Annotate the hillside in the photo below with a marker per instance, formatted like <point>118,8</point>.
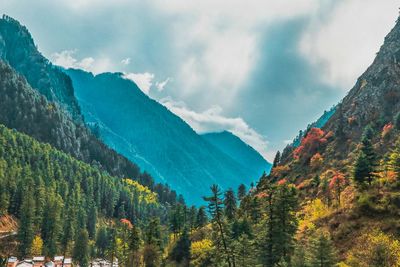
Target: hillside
<point>148,133</point>
<point>26,109</point>
<point>18,49</point>
<point>241,152</point>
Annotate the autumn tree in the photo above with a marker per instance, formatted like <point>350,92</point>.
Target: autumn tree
<point>310,144</point>
<point>37,246</point>
<point>337,184</point>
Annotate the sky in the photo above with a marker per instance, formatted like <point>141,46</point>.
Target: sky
<point>261,69</point>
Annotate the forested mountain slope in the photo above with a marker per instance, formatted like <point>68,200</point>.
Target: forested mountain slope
<point>24,109</point>
<point>18,49</point>
<point>148,133</point>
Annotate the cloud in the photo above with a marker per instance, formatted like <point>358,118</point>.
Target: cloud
<point>160,85</point>
<point>126,61</point>
<point>345,41</point>
<point>212,120</point>
<point>143,80</point>
<point>67,59</point>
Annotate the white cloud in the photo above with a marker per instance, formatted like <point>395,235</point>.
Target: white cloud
<point>126,61</point>
<point>212,120</point>
<point>345,41</point>
<point>143,80</point>
<point>161,85</point>
<point>66,59</point>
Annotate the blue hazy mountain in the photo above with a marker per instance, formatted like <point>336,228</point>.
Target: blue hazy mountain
<point>150,135</point>
<point>239,151</point>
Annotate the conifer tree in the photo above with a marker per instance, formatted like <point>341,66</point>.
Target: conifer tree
<point>365,164</point>
<point>81,249</point>
<point>321,251</point>
<point>277,159</point>
<point>230,204</point>
<point>201,218</point>
<point>181,251</point>
<point>215,208</point>
<point>241,191</point>
<point>26,229</point>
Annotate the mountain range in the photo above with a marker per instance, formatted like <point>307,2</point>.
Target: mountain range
<point>157,140</point>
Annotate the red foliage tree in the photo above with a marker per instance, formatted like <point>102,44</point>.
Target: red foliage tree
<point>310,144</point>
<point>337,184</point>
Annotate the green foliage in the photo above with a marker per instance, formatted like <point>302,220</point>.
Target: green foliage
<point>321,251</point>
<point>366,162</point>
<point>81,249</point>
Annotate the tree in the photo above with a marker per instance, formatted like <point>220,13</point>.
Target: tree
<point>26,232</point>
<point>151,255</point>
<point>280,224</point>
<point>321,251</point>
<point>215,208</point>
<point>277,159</point>
<point>181,251</point>
<point>134,245</point>
<point>201,218</point>
<point>51,226</point>
<point>81,249</point>
<point>337,184</point>
<point>230,204</point>
<point>241,191</point>
<point>364,168</point>
<point>37,246</point>
<point>102,242</point>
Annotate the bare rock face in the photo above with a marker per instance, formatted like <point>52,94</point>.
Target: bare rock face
<point>375,98</point>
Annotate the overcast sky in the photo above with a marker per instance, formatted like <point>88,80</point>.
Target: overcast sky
<point>261,69</point>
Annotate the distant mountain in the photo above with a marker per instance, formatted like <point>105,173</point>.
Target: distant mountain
<point>241,152</point>
<point>148,133</point>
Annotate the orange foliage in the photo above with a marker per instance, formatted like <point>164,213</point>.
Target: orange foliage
<point>387,129</point>
<point>281,182</point>
<point>310,144</point>
<point>337,184</point>
<point>126,222</point>
<point>280,170</point>
<point>262,195</point>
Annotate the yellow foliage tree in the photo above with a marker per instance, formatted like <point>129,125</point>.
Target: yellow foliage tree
<point>37,246</point>
<point>375,249</point>
<point>200,251</point>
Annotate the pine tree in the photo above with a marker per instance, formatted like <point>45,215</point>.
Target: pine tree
<point>51,226</point>
<point>102,242</point>
<point>365,165</point>
<point>230,204</point>
<point>181,251</point>
<point>277,159</point>
<point>92,220</point>
<point>81,249</point>
<point>215,208</point>
<point>134,245</point>
<point>280,224</point>
<point>241,191</point>
<point>201,218</point>
<point>27,213</point>
<point>321,252</point>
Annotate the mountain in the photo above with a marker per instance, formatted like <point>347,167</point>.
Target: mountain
<point>48,118</point>
<point>18,49</point>
<point>239,151</point>
<point>148,133</point>
<point>347,171</point>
